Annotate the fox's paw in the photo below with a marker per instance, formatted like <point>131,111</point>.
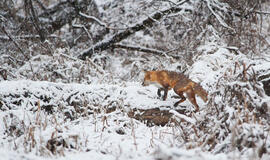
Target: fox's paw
<point>197,110</point>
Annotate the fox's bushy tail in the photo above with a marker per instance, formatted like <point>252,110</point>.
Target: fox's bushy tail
<point>200,92</point>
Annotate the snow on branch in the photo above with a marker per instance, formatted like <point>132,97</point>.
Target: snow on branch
<point>212,4</point>
<point>93,18</point>
<point>6,38</point>
<point>148,22</point>
<point>262,12</point>
<point>183,117</point>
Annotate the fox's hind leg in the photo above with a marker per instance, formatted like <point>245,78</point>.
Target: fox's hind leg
<point>183,98</point>
<point>191,97</point>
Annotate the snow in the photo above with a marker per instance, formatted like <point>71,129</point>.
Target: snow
<point>65,108</point>
<point>181,116</point>
<point>88,130</point>
<point>134,94</point>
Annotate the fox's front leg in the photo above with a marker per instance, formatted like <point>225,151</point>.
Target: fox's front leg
<point>164,97</point>
<point>159,92</point>
<point>165,93</point>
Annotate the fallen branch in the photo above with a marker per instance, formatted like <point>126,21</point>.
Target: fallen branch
<point>140,49</point>
<point>157,116</point>
<point>148,22</point>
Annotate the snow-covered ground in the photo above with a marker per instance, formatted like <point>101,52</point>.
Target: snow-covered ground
<point>46,120</point>
<point>99,135</point>
<point>115,137</point>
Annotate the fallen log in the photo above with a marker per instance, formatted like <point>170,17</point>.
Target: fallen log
<point>155,116</point>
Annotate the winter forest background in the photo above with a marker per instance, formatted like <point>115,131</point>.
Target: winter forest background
<point>71,74</point>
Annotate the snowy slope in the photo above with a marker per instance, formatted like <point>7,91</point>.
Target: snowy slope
<point>99,135</point>
<point>99,139</point>
<point>76,121</point>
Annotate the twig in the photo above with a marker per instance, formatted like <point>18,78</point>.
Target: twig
<point>41,5</point>
<point>171,2</point>
<point>93,18</point>
<point>221,21</point>
<point>103,24</point>
<point>84,28</point>
<point>262,12</point>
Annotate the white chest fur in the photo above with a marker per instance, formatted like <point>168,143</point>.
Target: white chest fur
<point>157,85</point>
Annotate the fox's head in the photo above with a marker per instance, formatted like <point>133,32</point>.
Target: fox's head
<point>201,92</point>
<point>148,78</point>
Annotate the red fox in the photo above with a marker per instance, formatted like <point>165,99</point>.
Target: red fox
<point>166,80</point>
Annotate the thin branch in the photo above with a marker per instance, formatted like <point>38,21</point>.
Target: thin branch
<point>84,28</point>
<point>15,42</point>
<point>261,12</point>
<point>93,18</point>
<point>41,5</point>
<point>146,50</point>
<point>140,49</point>
<point>17,45</point>
<point>36,22</point>
<point>6,38</point>
<point>103,24</point>
<point>171,2</point>
<point>218,17</point>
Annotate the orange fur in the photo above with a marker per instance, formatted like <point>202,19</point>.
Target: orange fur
<point>167,80</point>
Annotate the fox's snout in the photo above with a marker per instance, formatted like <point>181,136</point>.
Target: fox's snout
<point>143,83</point>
